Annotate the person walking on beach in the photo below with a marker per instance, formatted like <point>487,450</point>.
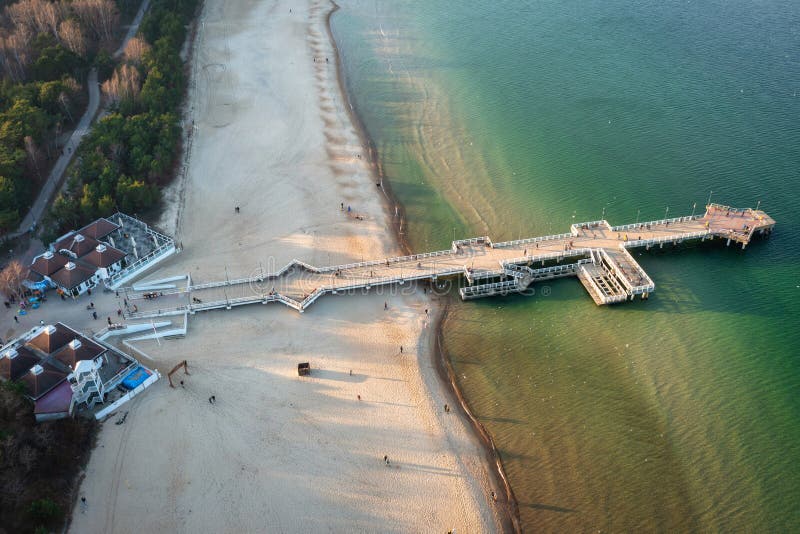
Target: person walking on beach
<point>84,505</point>
<point>94,315</point>
<point>401,349</point>
<point>16,320</point>
<point>385,305</point>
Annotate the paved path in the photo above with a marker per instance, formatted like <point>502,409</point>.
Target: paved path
<point>57,172</point>
<point>50,187</point>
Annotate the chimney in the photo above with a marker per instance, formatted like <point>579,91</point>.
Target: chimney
<point>37,369</point>
<point>75,344</point>
<point>69,266</point>
<point>50,329</point>
<point>79,238</point>
<point>48,255</point>
<point>100,248</point>
<point>10,354</point>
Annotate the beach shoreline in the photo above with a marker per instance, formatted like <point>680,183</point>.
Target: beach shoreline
<point>435,350</point>
<point>273,440</point>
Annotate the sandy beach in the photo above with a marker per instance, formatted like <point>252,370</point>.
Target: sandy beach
<point>278,452</point>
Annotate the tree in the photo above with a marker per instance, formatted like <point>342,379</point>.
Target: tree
<point>11,279</point>
<point>72,36</point>
<point>98,16</point>
<point>54,62</point>
<point>33,154</point>
<point>125,84</point>
<point>136,49</point>
<point>9,213</point>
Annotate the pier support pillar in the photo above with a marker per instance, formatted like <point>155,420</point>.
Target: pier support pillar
<point>661,245</point>
<point>728,243</point>
<point>744,245</point>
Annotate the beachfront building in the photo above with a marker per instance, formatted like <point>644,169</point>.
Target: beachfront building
<point>61,370</point>
<point>106,250</point>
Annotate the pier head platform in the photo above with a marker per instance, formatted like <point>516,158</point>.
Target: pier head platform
<point>595,252</point>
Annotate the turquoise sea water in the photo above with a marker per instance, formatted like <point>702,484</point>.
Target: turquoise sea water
<point>514,118</point>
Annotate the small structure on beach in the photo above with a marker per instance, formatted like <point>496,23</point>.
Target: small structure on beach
<point>304,369</point>
<point>61,370</point>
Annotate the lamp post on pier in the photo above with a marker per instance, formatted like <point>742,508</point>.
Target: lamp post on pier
<point>693,208</point>
<point>638,211</point>
<point>709,198</point>
<point>758,205</point>
<point>666,212</point>
<point>603,216</point>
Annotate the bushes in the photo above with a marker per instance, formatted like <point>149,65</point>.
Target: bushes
<point>44,511</point>
<point>38,464</point>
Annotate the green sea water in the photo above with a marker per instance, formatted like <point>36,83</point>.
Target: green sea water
<point>516,118</point>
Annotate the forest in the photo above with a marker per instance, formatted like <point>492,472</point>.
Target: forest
<point>46,50</point>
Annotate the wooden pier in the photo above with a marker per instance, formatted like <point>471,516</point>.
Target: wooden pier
<point>595,252</point>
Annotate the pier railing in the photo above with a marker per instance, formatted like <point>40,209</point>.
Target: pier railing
<point>646,224</point>
<point>522,242</point>
<point>674,238</point>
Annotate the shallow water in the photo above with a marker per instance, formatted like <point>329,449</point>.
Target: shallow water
<point>515,119</point>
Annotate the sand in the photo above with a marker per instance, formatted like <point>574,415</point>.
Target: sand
<point>278,452</point>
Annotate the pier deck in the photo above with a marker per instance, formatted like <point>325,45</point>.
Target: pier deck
<point>595,252</point>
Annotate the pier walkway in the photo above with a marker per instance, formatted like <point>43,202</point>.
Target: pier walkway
<point>595,252</point>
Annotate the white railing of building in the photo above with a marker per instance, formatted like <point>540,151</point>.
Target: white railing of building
<point>139,264</point>
<point>128,396</point>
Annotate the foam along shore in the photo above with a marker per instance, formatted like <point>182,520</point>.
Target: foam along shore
<point>279,452</point>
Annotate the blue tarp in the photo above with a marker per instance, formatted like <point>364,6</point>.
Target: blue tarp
<point>136,377</point>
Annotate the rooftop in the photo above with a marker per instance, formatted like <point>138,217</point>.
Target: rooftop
<point>76,243</point>
<point>40,379</point>
<point>51,338</point>
<point>103,256</point>
<point>72,275</point>
<point>57,400</point>
<point>80,348</point>
<point>48,263</point>
<point>98,229</point>
<point>15,362</point>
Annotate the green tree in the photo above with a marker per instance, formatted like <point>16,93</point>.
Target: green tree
<point>9,213</point>
<point>56,62</point>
